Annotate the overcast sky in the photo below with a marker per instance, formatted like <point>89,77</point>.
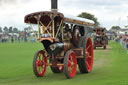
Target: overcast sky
<point>108,12</point>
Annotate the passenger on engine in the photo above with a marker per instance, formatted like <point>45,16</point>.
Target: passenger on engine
<point>67,33</point>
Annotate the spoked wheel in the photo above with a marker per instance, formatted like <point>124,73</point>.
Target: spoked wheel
<point>57,69</point>
<point>86,63</point>
<point>39,63</point>
<point>70,64</point>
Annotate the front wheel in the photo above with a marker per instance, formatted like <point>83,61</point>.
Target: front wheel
<point>70,64</point>
<point>39,63</point>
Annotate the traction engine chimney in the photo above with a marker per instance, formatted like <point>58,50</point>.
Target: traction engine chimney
<point>54,5</point>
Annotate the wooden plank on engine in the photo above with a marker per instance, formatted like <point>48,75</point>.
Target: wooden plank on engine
<point>78,52</point>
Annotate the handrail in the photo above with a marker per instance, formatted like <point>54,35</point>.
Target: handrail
<point>59,28</point>
<point>32,29</point>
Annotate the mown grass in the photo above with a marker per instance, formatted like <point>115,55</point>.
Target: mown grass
<point>110,67</point>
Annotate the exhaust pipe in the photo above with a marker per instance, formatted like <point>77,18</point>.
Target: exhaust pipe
<point>54,5</point>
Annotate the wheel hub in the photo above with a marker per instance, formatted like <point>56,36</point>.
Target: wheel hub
<point>40,63</point>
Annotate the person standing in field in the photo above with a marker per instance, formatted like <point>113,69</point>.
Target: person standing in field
<point>127,43</point>
<point>15,38</point>
<point>25,38</point>
<point>18,38</point>
<point>22,38</point>
<point>12,40</point>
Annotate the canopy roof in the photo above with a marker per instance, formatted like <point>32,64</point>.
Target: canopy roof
<point>46,16</point>
<point>78,20</point>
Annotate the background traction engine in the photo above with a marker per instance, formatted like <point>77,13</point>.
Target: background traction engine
<point>100,38</point>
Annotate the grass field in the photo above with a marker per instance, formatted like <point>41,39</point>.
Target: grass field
<point>110,67</point>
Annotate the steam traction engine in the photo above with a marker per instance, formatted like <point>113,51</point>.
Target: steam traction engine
<point>64,41</point>
<point>100,39</point>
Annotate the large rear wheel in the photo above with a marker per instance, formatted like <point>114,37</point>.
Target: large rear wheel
<point>39,63</point>
<point>86,63</point>
<point>70,64</point>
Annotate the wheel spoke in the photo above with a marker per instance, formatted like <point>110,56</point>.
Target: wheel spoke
<point>43,60</point>
<point>42,69</point>
<point>39,69</point>
<point>69,63</point>
<point>86,53</point>
<point>39,56</point>
<point>69,69</point>
<point>72,66</point>
<point>87,64</point>
<point>88,47</point>
<point>89,57</point>
<point>37,61</point>
<point>71,58</point>
<point>43,57</point>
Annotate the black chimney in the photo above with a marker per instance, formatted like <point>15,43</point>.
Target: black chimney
<point>54,5</point>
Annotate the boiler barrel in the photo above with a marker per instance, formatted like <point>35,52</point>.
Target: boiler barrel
<point>58,47</point>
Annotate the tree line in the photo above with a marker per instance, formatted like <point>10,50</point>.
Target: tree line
<point>93,18</point>
<point>13,29</point>
<point>9,29</point>
<point>89,16</point>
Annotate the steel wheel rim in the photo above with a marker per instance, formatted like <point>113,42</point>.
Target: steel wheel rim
<point>89,55</point>
<point>71,64</point>
<point>41,61</point>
